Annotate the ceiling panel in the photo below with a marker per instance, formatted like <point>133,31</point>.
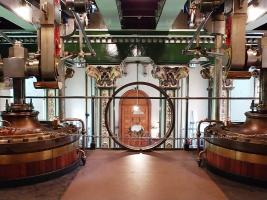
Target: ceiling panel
<point>139,14</point>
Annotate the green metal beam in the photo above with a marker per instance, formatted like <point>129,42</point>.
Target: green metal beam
<point>169,13</point>
<point>12,17</point>
<point>115,53</point>
<point>109,11</point>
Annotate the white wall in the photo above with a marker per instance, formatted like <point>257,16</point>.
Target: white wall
<point>75,87</point>
<point>198,109</point>
<point>242,88</point>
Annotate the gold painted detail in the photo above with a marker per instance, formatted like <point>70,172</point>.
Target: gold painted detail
<point>37,156</point>
<point>105,76</point>
<point>169,76</point>
<point>237,155</point>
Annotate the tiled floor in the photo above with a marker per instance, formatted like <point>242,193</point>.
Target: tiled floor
<point>122,175</point>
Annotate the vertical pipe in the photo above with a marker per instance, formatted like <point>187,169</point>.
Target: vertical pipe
<point>61,101</point>
<point>61,91</point>
<point>86,107</point>
<point>227,106</point>
<point>186,143</point>
<point>46,101</point>
<point>177,116</point>
<point>263,96</point>
<point>181,113</point>
<point>19,90</point>
<point>217,80</point>
<point>114,116</point>
<point>209,100</point>
<point>263,77</point>
<point>174,130</point>
<point>92,146</point>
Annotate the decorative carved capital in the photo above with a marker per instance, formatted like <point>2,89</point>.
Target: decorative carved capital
<point>105,76</point>
<point>169,76</point>
<point>207,72</point>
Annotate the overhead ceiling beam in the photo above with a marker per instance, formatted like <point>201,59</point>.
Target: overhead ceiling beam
<point>257,23</point>
<point>257,15</point>
<point>109,11</point>
<point>169,13</point>
<point>15,19</point>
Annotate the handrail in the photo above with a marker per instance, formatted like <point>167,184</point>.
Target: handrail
<point>83,127</point>
<point>105,97</point>
<point>198,129</point>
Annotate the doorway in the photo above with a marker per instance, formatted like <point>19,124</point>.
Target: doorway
<point>135,119</point>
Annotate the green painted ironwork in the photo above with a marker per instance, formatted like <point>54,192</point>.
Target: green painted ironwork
<point>109,11</point>
<point>169,13</point>
<point>162,47</point>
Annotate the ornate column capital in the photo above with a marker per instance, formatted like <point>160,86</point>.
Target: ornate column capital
<point>105,76</point>
<point>169,76</point>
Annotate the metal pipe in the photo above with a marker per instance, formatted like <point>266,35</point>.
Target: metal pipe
<point>83,128</point>
<point>217,80</point>
<point>61,106</point>
<point>199,28</point>
<point>263,90</point>
<point>186,144</point>
<point>198,129</point>
<point>19,90</point>
<point>209,100</point>
<point>200,158</point>
<point>93,145</point>
<point>86,105</point>
<point>77,19</point>
<point>82,155</point>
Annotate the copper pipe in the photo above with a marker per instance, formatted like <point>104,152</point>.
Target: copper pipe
<point>198,130</point>
<point>239,75</point>
<point>200,158</point>
<point>83,128</point>
<point>82,155</point>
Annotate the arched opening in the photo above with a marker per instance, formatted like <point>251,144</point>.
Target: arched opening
<point>135,119</point>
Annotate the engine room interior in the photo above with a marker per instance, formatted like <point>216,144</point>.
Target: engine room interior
<point>126,99</point>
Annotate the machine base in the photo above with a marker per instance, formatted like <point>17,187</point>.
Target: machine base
<point>40,178</point>
<point>234,177</point>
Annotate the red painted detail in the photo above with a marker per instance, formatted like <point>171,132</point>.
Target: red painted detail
<point>57,41</point>
<point>228,30</point>
<point>57,2</point>
<point>57,33</point>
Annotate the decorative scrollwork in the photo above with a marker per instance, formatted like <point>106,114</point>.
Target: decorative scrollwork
<point>207,72</point>
<point>105,76</point>
<point>169,76</point>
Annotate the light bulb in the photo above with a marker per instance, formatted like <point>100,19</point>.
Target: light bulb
<point>136,108</point>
